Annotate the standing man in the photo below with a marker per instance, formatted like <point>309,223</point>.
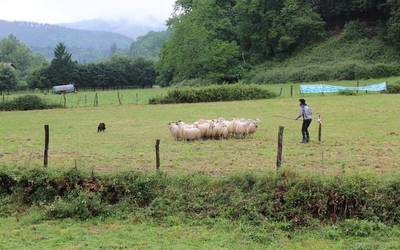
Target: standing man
<point>306,114</point>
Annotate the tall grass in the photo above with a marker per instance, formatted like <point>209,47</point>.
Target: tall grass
<point>336,58</point>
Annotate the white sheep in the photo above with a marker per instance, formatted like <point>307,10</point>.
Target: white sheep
<point>219,128</point>
<point>190,134</point>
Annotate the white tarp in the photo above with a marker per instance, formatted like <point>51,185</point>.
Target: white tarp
<point>325,88</point>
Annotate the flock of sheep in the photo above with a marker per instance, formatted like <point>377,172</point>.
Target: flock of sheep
<point>213,129</point>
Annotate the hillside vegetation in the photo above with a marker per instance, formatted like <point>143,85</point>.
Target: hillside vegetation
<point>226,41</point>
<point>336,58</point>
<point>149,45</point>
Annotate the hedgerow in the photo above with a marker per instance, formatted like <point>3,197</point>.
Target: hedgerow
<point>286,196</point>
<point>27,102</point>
<point>216,93</point>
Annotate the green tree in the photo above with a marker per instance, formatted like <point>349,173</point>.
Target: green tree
<point>8,79</point>
<point>202,45</point>
<point>149,46</point>
<point>39,78</point>
<point>393,24</point>
<point>62,69</point>
<point>13,51</point>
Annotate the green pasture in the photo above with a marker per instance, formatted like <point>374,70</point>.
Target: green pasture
<point>86,98</point>
<point>31,232</point>
<point>360,133</point>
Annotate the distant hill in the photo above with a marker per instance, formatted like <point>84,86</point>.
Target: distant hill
<point>149,45</point>
<point>128,28</point>
<point>84,44</point>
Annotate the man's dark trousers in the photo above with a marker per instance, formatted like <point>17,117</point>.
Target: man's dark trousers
<point>304,130</point>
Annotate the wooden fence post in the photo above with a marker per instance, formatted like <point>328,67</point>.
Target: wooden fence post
<point>280,93</point>
<point>46,145</point>
<point>119,98</point>
<point>291,90</point>
<point>280,148</point>
<point>158,154</point>
<point>319,129</point>
<point>96,100</point>
<point>65,100</point>
<point>358,85</point>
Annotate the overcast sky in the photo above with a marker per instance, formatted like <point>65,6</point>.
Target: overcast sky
<point>61,11</point>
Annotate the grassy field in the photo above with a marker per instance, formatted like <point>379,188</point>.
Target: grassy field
<point>360,133</point>
<point>30,232</point>
<point>141,96</point>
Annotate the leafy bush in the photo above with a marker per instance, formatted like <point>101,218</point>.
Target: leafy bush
<point>393,89</point>
<point>286,197</point>
<point>347,92</point>
<point>79,204</point>
<point>354,30</point>
<point>214,94</point>
<point>27,102</point>
<point>362,228</point>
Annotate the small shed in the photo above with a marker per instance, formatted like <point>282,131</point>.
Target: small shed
<point>63,89</point>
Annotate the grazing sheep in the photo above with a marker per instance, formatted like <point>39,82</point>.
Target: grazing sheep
<point>175,130</point>
<point>191,134</point>
<point>204,127</point>
<point>101,127</point>
<point>251,128</point>
<point>213,129</point>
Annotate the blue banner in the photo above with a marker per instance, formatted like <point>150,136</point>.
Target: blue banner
<point>324,88</point>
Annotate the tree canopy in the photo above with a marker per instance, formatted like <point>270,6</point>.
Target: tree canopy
<point>13,51</point>
<point>217,39</point>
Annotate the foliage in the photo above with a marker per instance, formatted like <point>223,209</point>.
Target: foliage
<point>272,31</point>
<point>347,92</point>
<point>78,204</point>
<point>354,30</point>
<point>196,50</point>
<point>334,59</point>
<point>14,51</point>
<point>149,45</point>
<point>8,79</point>
<point>393,89</point>
<point>118,72</point>
<point>282,197</point>
<point>393,24</point>
<point>62,69</point>
<point>213,94</point>
<point>28,102</point>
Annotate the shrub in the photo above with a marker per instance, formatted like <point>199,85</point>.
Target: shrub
<point>347,92</point>
<point>393,89</point>
<point>27,102</point>
<point>216,93</point>
<point>362,228</point>
<point>79,204</point>
<point>354,30</point>
<point>285,197</point>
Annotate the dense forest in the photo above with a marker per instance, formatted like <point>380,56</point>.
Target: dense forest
<point>222,40</point>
